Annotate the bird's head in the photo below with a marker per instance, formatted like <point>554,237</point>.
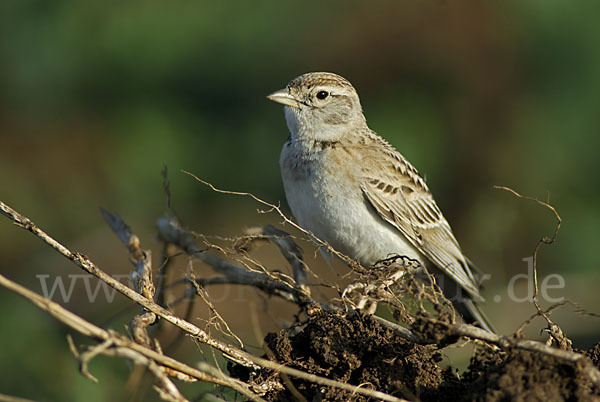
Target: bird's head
<point>320,106</point>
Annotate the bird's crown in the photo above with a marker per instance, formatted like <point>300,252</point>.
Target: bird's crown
<point>310,80</point>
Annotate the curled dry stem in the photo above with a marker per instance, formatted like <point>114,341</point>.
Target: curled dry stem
<point>553,329</point>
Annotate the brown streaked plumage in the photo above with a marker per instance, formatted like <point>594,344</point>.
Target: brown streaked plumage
<point>354,190</point>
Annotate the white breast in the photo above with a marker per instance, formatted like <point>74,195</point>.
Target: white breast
<point>326,199</point>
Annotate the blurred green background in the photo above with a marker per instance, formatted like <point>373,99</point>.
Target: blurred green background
<point>96,96</point>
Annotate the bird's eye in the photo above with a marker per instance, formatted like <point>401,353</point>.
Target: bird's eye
<point>322,95</point>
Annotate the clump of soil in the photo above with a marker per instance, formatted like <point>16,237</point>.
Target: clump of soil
<point>520,375</point>
<point>355,349</point>
<point>594,354</point>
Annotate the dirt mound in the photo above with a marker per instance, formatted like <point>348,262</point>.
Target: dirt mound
<point>594,354</point>
<point>520,375</point>
<point>355,349</point>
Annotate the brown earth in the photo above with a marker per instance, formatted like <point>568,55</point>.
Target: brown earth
<point>355,349</point>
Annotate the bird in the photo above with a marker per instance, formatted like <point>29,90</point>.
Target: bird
<point>351,188</point>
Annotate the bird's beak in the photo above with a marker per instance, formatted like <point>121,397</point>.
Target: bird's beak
<point>284,97</point>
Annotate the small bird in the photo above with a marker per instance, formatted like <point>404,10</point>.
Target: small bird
<point>352,189</point>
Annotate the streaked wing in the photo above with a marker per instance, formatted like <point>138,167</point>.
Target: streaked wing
<point>401,197</point>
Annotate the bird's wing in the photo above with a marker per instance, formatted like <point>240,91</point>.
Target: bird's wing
<point>400,196</point>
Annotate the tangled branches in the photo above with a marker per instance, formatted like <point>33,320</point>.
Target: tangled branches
<point>331,350</point>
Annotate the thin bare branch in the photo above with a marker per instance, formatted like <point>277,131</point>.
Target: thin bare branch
<point>141,259</point>
<point>554,330</point>
<point>10,398</point>
<point>272,207</point>
<point>472,332</point>
<point>163,367</point>
<point>88,329</point>
<point>325,381</point>
<point>291,252</point>
<point>171,231</point>
<point>87,265</point>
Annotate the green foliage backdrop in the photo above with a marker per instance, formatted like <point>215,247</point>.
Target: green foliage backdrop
<point>96,96</point>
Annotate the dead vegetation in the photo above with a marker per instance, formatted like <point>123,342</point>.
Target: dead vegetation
<point>332,350</point>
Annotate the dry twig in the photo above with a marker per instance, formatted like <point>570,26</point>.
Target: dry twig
<point>147,353</point>
<point>553,329</point>
<point>116,340</point>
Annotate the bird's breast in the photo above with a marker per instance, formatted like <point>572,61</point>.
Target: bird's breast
<point>323,191</point>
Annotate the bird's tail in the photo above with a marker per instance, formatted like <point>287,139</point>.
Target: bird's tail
<point>473,314</point>
<point>463,302</point>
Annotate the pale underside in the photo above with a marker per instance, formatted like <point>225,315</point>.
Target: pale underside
<point>370,203</point>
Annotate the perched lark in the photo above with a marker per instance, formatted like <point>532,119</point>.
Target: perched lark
<point>352,189</point>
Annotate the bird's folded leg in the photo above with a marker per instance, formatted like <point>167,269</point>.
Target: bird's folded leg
<point>370,293</point>
<point>363,288</point>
